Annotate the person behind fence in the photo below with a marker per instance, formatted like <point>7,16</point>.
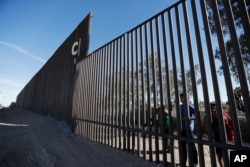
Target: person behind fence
<point>191,120</point>
<point>216,130</point>
<point>164,118</point>
<point>164,122</point>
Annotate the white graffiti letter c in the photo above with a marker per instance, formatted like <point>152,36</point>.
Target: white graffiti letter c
<point>74,50</point>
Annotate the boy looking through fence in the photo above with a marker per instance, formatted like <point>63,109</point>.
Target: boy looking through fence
<point>190,126</point>
<point>164,123</point>
<point>216,130</point>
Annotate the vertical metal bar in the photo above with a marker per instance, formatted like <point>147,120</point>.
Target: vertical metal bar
<point>87,102</point>
<point>114,111</point>
<point>90,63</point>
<point>111,85</point>
<point>132,92</point>
<point>95,100</point>
<point>148,95</point>
<point>88,69</point>
<point>110,96</point>
<point>177,102</point>
<point>84,103</point>
<point>85,106</point>
<point>142,91</point>
<point>80,99</point>
<point>76,96</point>
<point>106,96</point>
<point>124,91</point>
<point>92,102</point>
<point>154,91</point>
<point>98,95</point>
<point>160,85</point>
<point>113,97</point>
<point>128,93</point>
<point>108,93</point>
<point>183,73</point>
<point>137,93</point>
<point>101,80</point>
<point>116,92</point>
<point>120,93</point>
<point>84,112</point>
<point>102,94</point>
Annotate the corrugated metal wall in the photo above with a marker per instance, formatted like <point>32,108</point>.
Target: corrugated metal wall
<point>50,91</point>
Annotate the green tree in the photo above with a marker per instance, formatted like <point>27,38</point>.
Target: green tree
<point>171,78</point>
<point>238,99</point>
<point>226,32</point>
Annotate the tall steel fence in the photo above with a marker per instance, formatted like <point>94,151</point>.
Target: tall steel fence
<point>198,48</point>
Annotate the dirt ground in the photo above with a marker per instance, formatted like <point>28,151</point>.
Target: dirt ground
<point>31,140</point>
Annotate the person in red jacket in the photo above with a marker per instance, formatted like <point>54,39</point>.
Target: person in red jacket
<point>229,126</point>
<point>229,130</point>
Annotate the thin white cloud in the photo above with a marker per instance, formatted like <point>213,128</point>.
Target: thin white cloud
<point>23,51</point>
<point>11,82</point>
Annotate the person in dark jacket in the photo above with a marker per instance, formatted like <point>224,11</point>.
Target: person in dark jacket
<point>216,130</point>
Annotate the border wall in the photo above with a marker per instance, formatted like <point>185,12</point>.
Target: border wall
<point>119,86</point>
<point>50,91</point>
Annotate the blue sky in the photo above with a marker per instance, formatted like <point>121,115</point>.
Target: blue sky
<point>32,30</point>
